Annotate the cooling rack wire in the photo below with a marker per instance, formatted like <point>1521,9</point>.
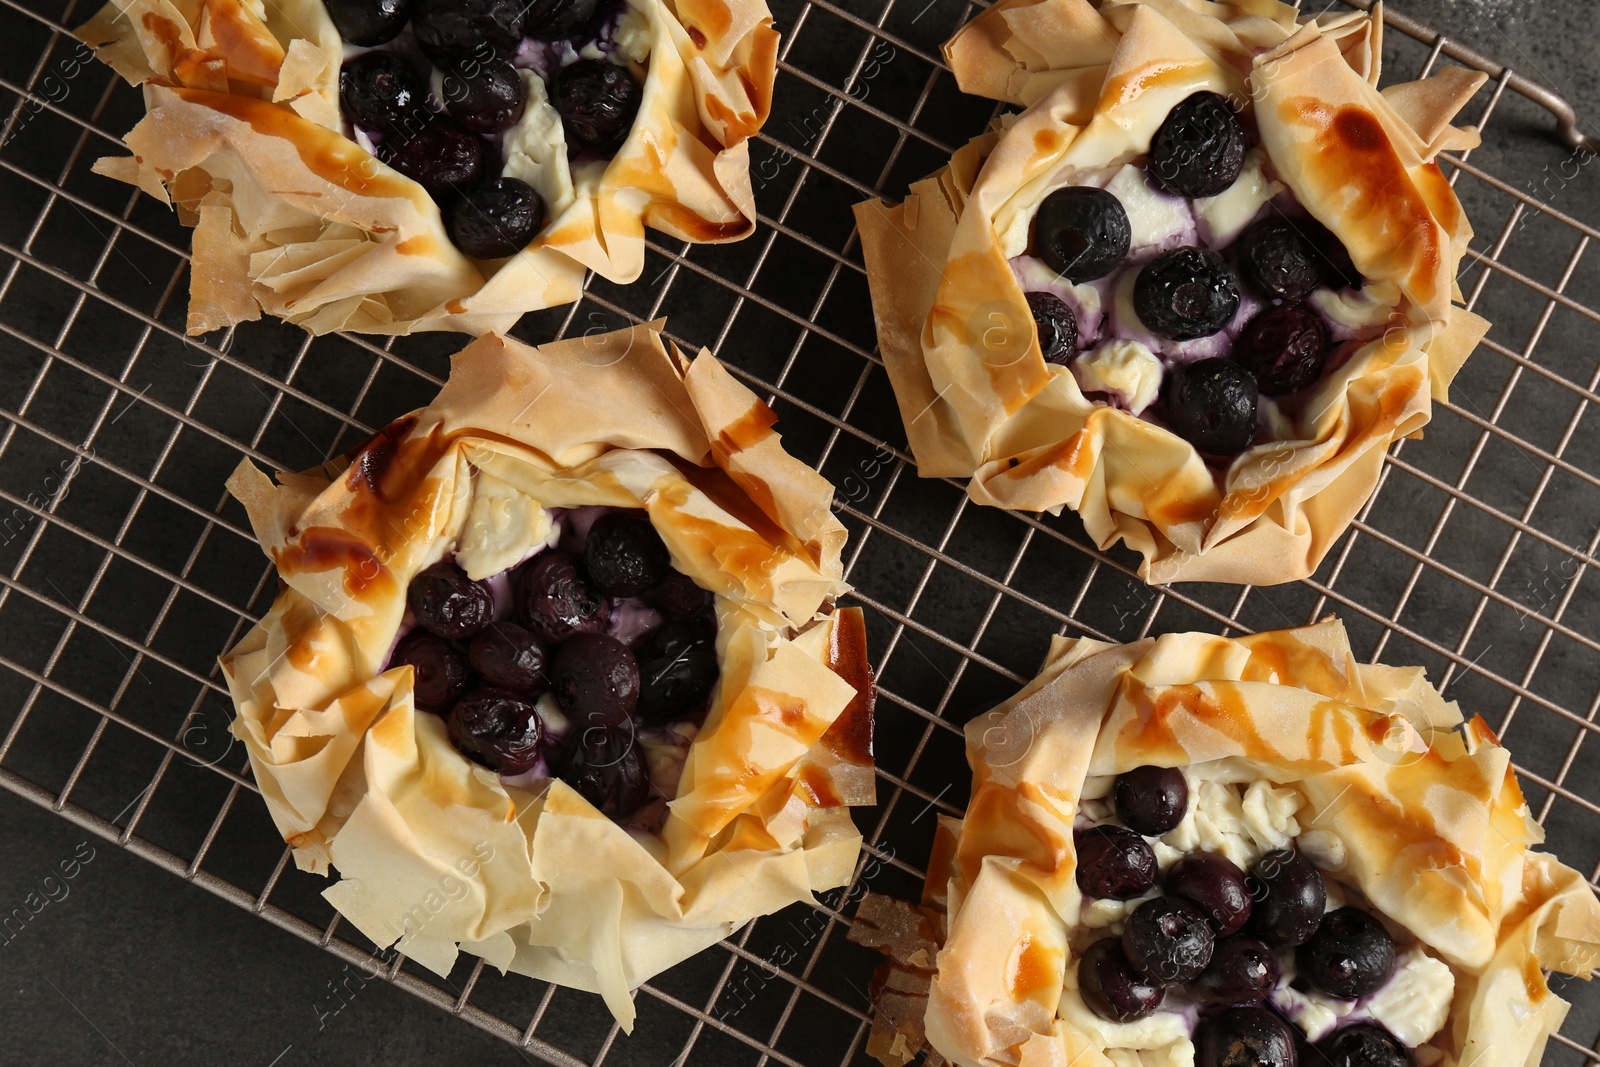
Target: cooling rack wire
<point>124,571</point>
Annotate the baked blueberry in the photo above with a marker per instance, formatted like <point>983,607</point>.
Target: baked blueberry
<point>1277,261</point>
<point>555,600</point>
<point>624,555</point>
<point>678,597</point>
<point>597,101</point>
<point>439,675</point>
<point>1056,326</point>
<point>382,91</point>
<point>485,96</point>
<point>1081,233</point>
<point>1199,149</point>
<point>596,680</point>
<point>447,603</point>
<point>1151,800</point>
<point>1211,403</point>
<point>1333,259</point>
<point>1245,1037</point>
<point>1168,940</point>
<point>495,219</point>
<point>677,670</point>
<point>1289,896</point>
<point>605,765</point>
<point>1111,987</point>
<point>1351,955</point>
<point>1242,971</point>
<point>450,29</point>
<point>1215,885</point>
<point>369,22</point>
<point>1363,1045</point>
<point>497,729</point>
<point>1114,863</point>
<point>553,19</point>
<point>1186,293</point>
<point>510,657</point>
<point>1284,348</point>
<point>441,157</point>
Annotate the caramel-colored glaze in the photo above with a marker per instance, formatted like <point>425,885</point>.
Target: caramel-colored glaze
<point>1009,830</point>
<point>322,548</point>
<point>420,245</point>
<point>818,789</point>
<point>1282,657</point>
<point>850,736</point>
<point>360,706</point>
<point>1350,152</point>
<point>1127,86</point>
<point>253,55</point>
<point>696,36</point>
<point>1032,968</point>
<point>747,431</point>
<point>326,153</point>
<point>999,332</point>
<point>744,500</point>
<point>1533,980</point>
<point>374,457</point>
<point>1172,503</point>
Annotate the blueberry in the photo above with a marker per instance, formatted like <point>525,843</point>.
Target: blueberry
<point>1242,971</point>
<point>1215,885</point>
<point>1245,1037</point>
<point>507,656</point>
<point>439,676</point>
<point>1114,863</point>
<point>1289,896</point>
<point>1151,800</point>
<point>1186,293</point>
<point>1277,261</point>
<point>441,157</point>
<point>1351,955</point>
<point>1363,1045</point>
<point>497,729</point>
<point>369,22</point>
<point>1081,233</point>
<point>485,96</point>
<point>597,101</point>
<point>677,670</point>
<point>1284,348</point>
<point>555,600</point>
<point>1211,403</point>
<point>382,91</point>
<point>1056,326</point>
<point>495,219</point>
<point>1111,987</point>
<point>605,765</point>
<point>447,603</point>
<point>596,680</point>
<point>1168,940</point>
<point>624,555</point>
<point>1333,259</point>
<point>1199,149</point>
<point>554,19</point>
<point>450,29</point>
<point>678,597</point>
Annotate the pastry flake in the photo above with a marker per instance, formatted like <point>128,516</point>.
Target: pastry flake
<point>948,269</point>
<point>296,217</point>
<point>1407,808</point>
<point>437,853</point>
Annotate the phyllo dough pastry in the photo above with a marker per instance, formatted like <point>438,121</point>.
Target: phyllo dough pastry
<point>385,166</point>
<point>1251,852</point>
<point>555,674</point>
<point>1193,290</point>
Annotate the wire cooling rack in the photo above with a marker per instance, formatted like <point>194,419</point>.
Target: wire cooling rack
<point>124,570</point>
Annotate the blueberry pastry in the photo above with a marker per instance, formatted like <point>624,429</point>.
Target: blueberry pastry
<point>1252,852</point>
<point>385,166</point>
<point>1192,291</point>
<point>554,674</point>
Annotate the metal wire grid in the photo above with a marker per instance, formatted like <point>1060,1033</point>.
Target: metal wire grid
<point>117,432</point>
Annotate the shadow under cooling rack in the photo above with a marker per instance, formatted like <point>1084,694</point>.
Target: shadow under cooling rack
<point>125,571</point>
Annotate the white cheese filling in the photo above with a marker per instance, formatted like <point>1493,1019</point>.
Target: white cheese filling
<point>504,527</point>
<point>1223,217</point>
<point>1124,368</point>
<point>536,149</point>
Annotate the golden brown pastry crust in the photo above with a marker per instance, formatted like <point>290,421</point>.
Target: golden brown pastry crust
<point>1435,831</point>
<point>976,396</point>
<point>437,851</point>
<point>243,135</point>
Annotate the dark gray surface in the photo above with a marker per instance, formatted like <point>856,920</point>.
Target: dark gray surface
<point>134,966</point>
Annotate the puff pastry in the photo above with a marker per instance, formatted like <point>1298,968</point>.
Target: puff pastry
<point>437,852</point>
<point>293,217</point>
<point>949,266</point>
<point>1407,808</point>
